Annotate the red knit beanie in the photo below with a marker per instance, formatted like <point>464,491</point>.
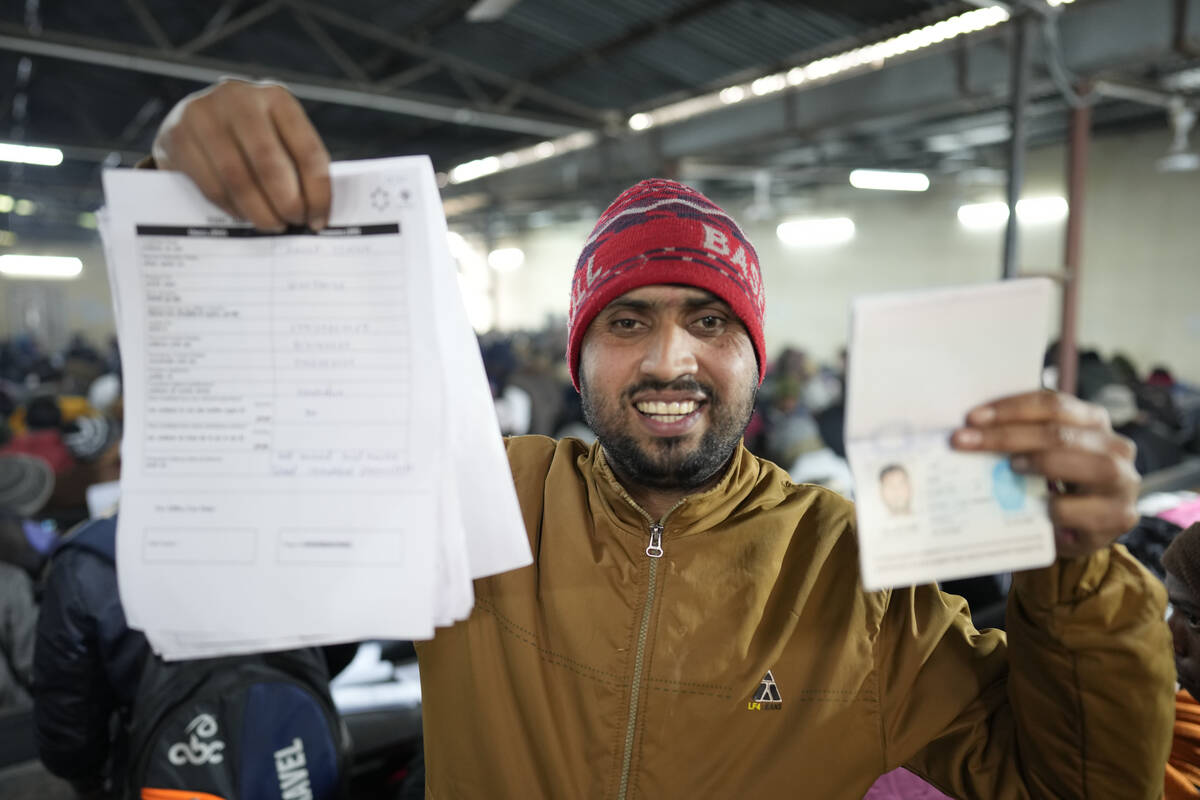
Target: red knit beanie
<point>662,232</point>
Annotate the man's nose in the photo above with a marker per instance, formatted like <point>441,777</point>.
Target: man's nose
<point>669,354</point>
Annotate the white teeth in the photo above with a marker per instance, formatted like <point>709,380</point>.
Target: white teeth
<point>675,411</point>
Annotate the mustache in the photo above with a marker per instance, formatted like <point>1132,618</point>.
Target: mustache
<point>685,384</point>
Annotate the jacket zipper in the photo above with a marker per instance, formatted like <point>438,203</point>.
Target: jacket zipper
<point>654,550</point>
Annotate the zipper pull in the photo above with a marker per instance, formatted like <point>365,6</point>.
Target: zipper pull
<point>655,549</point>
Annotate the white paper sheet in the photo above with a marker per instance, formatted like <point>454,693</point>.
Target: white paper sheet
<point>289,464</point>
<point>919,362</point>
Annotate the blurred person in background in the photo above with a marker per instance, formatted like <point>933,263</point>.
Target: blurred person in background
<point>1182,564</point>
<point>42,436</point>
<point>18,623</point>
<point>514,408</point>
<point>25,485</point>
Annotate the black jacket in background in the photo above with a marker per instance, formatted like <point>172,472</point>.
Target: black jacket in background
<point>87,662</point>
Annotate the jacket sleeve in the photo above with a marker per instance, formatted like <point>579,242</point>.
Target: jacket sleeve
<point>17,624</point>
<point>1077,704</point>
<point>72,705</point>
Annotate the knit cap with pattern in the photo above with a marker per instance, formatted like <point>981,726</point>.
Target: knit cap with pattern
<point>662,232</point>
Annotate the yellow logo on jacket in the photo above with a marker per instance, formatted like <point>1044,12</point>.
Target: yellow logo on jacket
<point>766,697</point>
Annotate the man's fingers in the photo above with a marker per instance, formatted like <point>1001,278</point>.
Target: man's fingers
<point>1033,437</point>
<point>309,155</point>
<point>1095,520</point>
<point>1042,406</point>
<point>1095,471</point>
<point>256,140</point>
<point>243,191</point>
<point>271,166</point>
<point>227,161</point>
<point>190,158</point>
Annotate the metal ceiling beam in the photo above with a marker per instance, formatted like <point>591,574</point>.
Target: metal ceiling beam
<point>324,41</point>
<point>470,88</point>
<point>628,38</point>
<point>410,75</point>
<point>372,32</point>
<point>224,28</point>
<point>221,16</point>
<point>1021,75</point>
<point>149,24</point>
<point>1100,38</point>
<point>635,35</point>
<point>307,87</point>
<point>149,110</point>
<point>420,29</point>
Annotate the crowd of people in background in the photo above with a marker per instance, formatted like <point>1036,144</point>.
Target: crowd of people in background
<point>60,430</point>
<point>61,418</point>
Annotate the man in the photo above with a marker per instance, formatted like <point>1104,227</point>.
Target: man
<point>693,625</point>
<point>896,490</point>
<point>1181,560</point>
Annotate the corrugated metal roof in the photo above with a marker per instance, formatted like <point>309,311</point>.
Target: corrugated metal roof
<point>600,55</point>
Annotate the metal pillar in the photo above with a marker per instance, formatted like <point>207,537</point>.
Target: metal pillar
<point>1077,167</point>
<point>1019,102</point>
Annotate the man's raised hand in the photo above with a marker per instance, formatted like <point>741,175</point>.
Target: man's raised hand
<point>1065,440</point>
<point>252,151</point>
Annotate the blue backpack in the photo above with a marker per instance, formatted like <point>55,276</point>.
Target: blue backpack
<point>253,727</point>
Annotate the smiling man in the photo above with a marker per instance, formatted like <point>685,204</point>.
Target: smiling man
<point>693,625</point>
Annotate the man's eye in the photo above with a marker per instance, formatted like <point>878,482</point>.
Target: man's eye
<point>625,324</point>
<point>1192,620</point>
<point>710,322</point>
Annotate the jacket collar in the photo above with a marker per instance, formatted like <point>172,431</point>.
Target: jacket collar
<point>696,513</point>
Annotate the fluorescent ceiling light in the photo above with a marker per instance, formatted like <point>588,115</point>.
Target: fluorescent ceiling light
<point>489,10</point>
<point>815,232</point>
<point>768,84</point>
<point>639,122</point>
<point>1031,210</point>
<point>1185,81</point>
<point>474,169</point>
<point>889,180</point>
<point>506,259</point>
<point>19,266</point>
<point>29,154</point>
<point>480,167</point>
<point>24,207</point>
<point>979,216</point>
<point>1042,209</point>
<point>732,94</point>
<point>6,203</point>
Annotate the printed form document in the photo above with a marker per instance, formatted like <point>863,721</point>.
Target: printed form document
<point>919,361</point>
<point>310,454</point>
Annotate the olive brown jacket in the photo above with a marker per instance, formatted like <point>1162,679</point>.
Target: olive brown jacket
<point>728,650</point>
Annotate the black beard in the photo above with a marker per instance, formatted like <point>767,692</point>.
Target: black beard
<point>670,467</point>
